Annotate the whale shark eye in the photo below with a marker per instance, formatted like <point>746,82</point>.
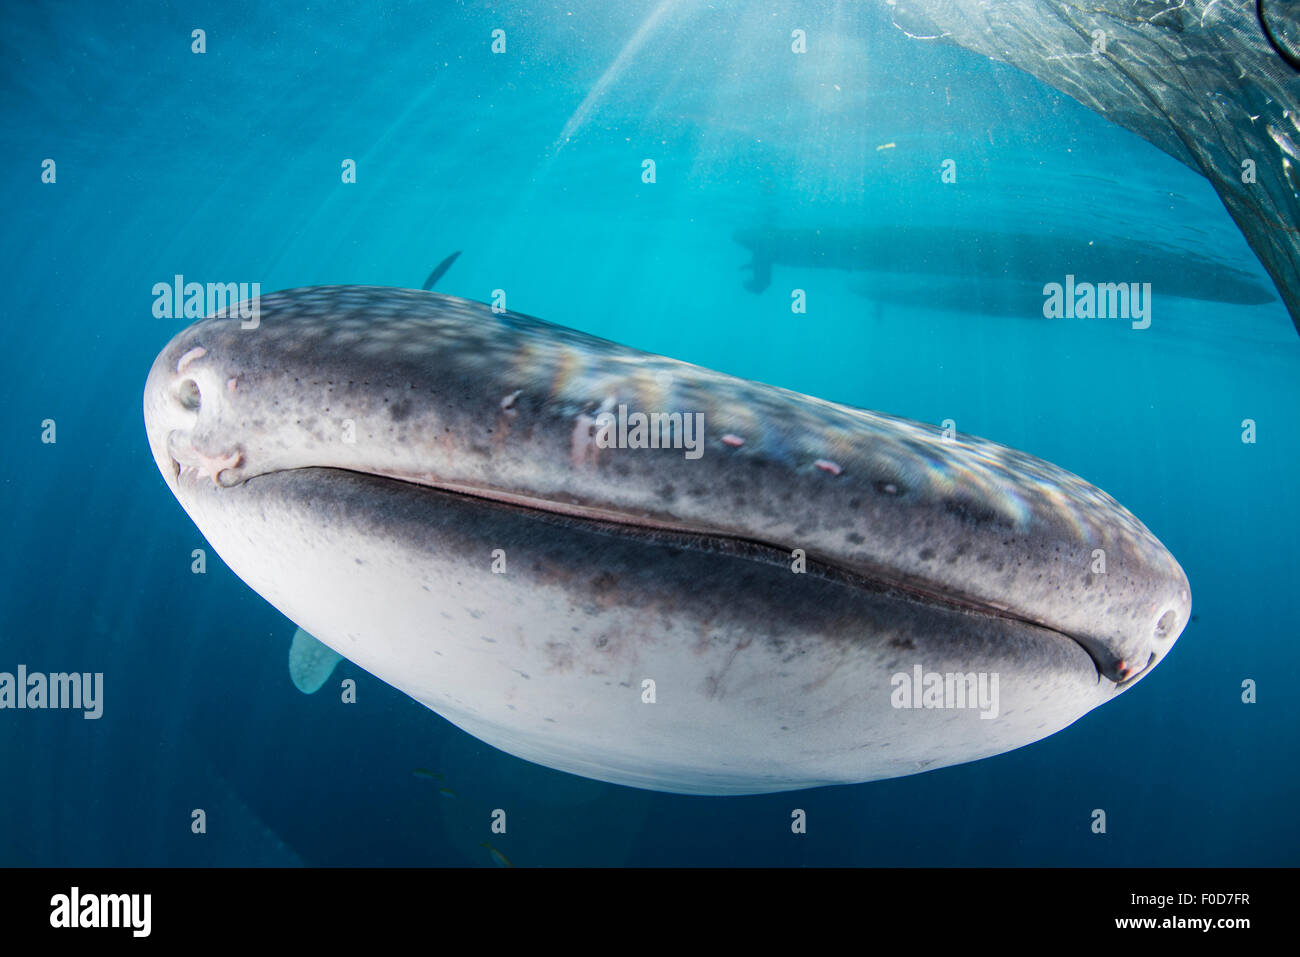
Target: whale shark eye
<point>187,393</point>
<point>1166,624</point>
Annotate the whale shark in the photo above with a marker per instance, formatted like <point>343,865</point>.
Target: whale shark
<point>1213,83</point>
<point>458,501</point>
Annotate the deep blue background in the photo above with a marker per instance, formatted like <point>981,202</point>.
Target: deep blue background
<point>226,167</point>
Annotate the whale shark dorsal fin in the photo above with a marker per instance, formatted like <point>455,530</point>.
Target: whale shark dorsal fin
<point>439,271</point>
<point>310,662</point>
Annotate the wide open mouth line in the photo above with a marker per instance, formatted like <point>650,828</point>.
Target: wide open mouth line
<point>654,530</point>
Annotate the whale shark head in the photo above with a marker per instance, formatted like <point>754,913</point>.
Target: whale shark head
<point>466,504</point>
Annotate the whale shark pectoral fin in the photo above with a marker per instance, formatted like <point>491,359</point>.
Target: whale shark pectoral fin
<point>310,662</point>
<point>439,271</point>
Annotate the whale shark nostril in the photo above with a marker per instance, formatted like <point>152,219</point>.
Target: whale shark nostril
<point>187,455</point>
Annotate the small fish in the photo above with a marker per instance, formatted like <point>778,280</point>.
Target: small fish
<point>1283,141</point>
<point>435,776</point>
<point>886,146</point>
<point>499,859</point>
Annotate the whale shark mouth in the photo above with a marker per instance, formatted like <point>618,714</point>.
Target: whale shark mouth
<point>501,412</point>
<point>652,533</point>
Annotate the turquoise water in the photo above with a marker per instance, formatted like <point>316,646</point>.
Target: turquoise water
<point>226,166</point>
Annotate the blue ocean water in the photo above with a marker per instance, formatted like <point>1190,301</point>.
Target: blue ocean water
<point>226,166</point>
